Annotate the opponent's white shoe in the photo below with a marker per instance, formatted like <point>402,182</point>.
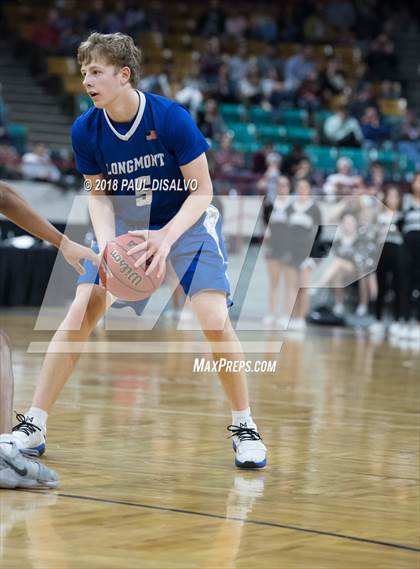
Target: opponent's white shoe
<point>250,451</point>
<point>29,438</point>
<point>19,471</point>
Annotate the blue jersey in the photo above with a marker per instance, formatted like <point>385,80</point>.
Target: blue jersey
<point>141,159</point>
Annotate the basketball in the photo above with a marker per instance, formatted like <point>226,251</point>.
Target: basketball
<point>119,275</point>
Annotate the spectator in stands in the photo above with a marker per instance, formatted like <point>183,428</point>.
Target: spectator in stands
<point>376,177</point>
<point>37,165</point>
<point>381,58</point>
<point>225,160</point>
<point>4,135</point>
<point>268,61</point>
<point>212,21</point>
<point>391,90</point>
<point>341,183</point>
<point>10,163</point>
<point>309,95</point>
<point>239,63</point>
<point>250,89</point>
<point>410,136</point>
<point>361,100</point>
<point>263,27</point>
<point>224,89</point>
<point>268,184</point>
<point>341,129</point>
<point>259,159</point>
<point>45,33</point>
<point>315,26</point>
<point>333,79</point>
<point>340,14</point>
<point>305,171</point>
<point>299,67</point>
<point>236,25</point>
<point>292,160</point>
<point>210,61</point>
<point>95,19</point>
<point>190,94</point>
<point>374,130</point>
<point>210,122</point>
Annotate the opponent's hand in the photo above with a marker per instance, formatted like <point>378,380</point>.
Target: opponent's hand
<point>75,253</point>
<point>155,243</point>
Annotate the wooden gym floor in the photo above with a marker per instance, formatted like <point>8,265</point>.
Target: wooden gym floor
<point>147,475</point>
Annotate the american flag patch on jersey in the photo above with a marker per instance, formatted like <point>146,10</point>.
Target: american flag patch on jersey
<point>151,135</point>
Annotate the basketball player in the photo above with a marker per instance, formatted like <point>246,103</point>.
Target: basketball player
<point>15,469</point>
<point>128,142</point>
<point>17,210</point>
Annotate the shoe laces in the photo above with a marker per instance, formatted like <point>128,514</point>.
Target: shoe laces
<point>244,433</point>
<point>24,426</point>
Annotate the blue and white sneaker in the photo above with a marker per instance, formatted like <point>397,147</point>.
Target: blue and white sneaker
<point>19,471</point>
<point>29,438</point>
<point>250,451</point>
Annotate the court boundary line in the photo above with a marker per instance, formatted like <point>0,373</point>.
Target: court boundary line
<point>230,518</point>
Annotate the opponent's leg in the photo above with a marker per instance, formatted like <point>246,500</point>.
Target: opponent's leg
<point>88,307</point>
<point>210,308</point>
<point>6,384</point>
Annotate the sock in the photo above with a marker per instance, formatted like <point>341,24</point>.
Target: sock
<point>38,416</point>
<point>243,416</point>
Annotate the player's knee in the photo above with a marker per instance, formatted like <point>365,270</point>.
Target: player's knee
<point>215,327</point>
<point>87,307</point>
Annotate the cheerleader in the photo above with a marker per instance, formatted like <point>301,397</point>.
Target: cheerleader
<point>276,218</point>
<point>410,227</point>
<point>304,227</point>
<point>390,271</point>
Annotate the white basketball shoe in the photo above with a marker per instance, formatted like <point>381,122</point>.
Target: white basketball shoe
<point>19,471</point>
<point>28,437</point>
<point>250,451</point>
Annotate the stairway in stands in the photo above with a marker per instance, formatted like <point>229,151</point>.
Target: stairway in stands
<point>30,105</point>
<point>408,50</point>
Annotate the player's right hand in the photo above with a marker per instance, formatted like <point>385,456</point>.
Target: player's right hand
<point>75,253</point>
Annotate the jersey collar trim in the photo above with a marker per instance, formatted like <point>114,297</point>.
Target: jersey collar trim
<point>136,122</point>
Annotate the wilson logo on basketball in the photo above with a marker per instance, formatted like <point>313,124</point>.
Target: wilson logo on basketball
<point>133,277</point>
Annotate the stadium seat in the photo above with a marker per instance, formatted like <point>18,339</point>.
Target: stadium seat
<point>243,132</point>
<point>247,147</point>
<point>293,117</point>
<point>232,111</point>
<point>300,134</point>
<point>84,102</point>
<point>271,133</point>
<point>386,157</point>
<point>322,157</point>
<point>258,115</point>
<point>282,148</point>
<point>321,116</point>
<point>19,133</point>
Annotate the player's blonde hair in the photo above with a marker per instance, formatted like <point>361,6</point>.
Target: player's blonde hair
<point>116,49</point>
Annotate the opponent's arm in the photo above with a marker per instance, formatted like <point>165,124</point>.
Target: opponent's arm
<point>101,211</point>
<point>15,208</point>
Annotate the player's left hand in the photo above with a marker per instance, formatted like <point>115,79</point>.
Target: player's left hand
<point>155,244</point>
